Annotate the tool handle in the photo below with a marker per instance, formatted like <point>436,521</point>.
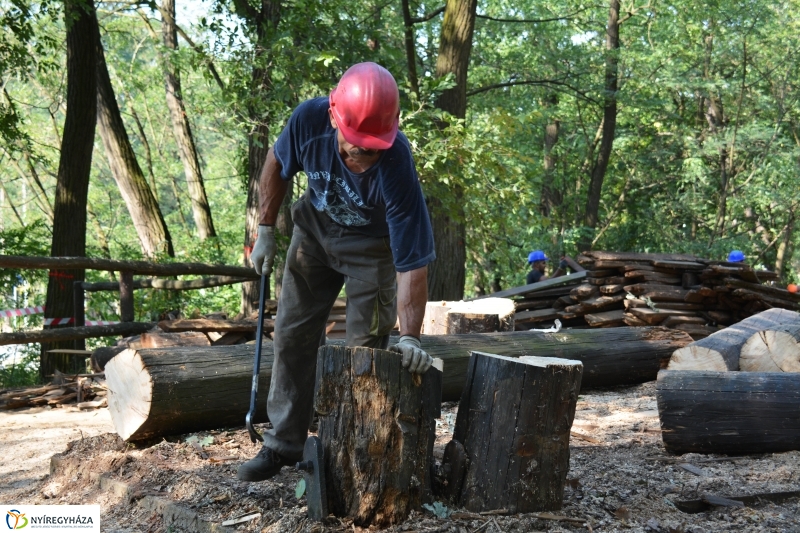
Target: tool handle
<point>255,435</point>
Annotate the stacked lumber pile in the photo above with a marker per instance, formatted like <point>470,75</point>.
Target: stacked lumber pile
<point>543,301</point>
<point>85,391</point>
<point>677,291</point>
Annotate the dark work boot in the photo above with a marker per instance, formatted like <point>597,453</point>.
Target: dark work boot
<point>263,466</point>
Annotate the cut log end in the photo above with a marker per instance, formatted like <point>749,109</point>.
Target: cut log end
<point>130,390</point>
<point>770,351</point>
<point>693,357</point>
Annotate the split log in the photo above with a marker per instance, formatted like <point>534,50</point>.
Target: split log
<point>526,305</point>
<point>732,413</point>
<point>782,294</point>
<point>583,292</point>
<point>540,315</point>
<point>606,319</point>
<point>720,351</point>
<point>611,289</point>
<point>514,422</point>
<point>697,331</point>
<point>772,350</point>
<point>479,316</point>
<point>377,426</point>
<point>206,324</point>
<point>161,340</point>
<point>601,273</point>
<point>679,265</point>
<point>178,390</point>
<point>673,321</point>
<point>633,321</point>
<point>539,286</point>
<point>629,257</point>
<point>563,302</point>
<point>655,317</point>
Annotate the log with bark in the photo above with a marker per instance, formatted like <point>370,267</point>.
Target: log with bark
<point>720,351</point>
<point>85,332</point>
<point>182,389</point>
<point>733,413</point>
<point>514,422</point>
<point>377,426</point>
<point>478,316</point>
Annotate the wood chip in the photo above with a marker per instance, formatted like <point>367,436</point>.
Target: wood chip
<point>587,438</point>
<point>692,469</point>
<point>241,520</point>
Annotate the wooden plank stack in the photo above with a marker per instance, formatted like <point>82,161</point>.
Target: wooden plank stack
<point>677,291</point>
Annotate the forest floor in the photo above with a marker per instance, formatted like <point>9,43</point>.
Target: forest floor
<point>620,478</point>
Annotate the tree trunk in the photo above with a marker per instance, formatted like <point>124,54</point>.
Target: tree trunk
<point>263,22</point>
<point>732,413</point>
<point>551,196</point>
<point>609,121</point>
<point>74,168</point>
<point>514,422</point>
<point>142,206</point>
<point>377,426</point>
<point>784,253</point>
<point>720,351</point>
<point>447,274</point>
<point>411,48</point>
<point>182,129</point>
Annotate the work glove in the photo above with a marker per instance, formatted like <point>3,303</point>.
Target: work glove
<point>563,265</point>
<point>263,254</point>
<point>415,359</point>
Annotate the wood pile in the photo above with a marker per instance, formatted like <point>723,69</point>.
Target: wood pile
<point>85,391</point>
<point>676,291</point>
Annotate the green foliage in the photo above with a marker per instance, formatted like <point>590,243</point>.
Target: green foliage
<point>19,366</point>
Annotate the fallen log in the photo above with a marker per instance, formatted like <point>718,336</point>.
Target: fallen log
<point>772,350</point>
<point>514,422</point>
<point>720,350</point>
<point>377,426</point>
<point>68,334</point>
<point>208,325</point>
<point>183,389</point>
<point>185,338</point>
<point>733,413</point>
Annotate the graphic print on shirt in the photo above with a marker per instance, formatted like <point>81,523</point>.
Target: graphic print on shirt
<point>337,199</point>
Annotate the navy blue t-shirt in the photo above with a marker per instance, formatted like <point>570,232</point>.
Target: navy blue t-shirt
<point>384,200</point>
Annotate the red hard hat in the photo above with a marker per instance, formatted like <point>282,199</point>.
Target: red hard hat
<point>366,106</point>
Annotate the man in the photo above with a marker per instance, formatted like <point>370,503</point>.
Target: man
<point>538,263</point>
<point>362,224</point>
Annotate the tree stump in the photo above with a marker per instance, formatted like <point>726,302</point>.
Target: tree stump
<point>478,316</point>
<point>732,413</point>
<point>376,423</point>
<point>720,351</point>
<point>773,350</point>
<point>514,423</point>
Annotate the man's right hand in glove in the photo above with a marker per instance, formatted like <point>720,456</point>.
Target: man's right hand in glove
<point>263,254</point>
<point>415,359</point>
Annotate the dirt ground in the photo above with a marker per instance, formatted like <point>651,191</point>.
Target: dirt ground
<point>620,478</point>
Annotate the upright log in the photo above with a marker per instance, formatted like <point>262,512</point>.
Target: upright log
<point>720,351</point>
<point>732,413</point>
<point>377,426</point>
<point>772,350</point>
<point>514,423</point>
<point>478,316</point>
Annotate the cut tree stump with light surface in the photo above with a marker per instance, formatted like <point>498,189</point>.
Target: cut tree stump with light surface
<point>377,426</point>
<point>477,316</point>
<point>514,422</point>
<point>733,413</point>
<point>776,349</point>
<point>720,351</point>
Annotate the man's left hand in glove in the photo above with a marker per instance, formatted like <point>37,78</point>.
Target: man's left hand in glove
<point>415,359</point>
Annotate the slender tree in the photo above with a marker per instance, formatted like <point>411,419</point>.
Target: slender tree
<point>182,129</point>
<point>74,167</point>
<point>609,121</point>
<point>446,275</point>
<point>142,205</point>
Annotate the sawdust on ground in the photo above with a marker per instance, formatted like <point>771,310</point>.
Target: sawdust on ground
<point>619,480</point>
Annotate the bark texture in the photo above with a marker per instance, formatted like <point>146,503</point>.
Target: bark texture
<point>514,422</point>
<point>377,425</point>
<point>181,128</point>
<point>142,205</point>
<point>733,413</point>
<point>72,184</point>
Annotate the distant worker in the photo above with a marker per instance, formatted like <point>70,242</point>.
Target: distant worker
<point>538,263</point>
<point>736,256</point>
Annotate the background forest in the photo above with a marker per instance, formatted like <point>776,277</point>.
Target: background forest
<point>638,125</point>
